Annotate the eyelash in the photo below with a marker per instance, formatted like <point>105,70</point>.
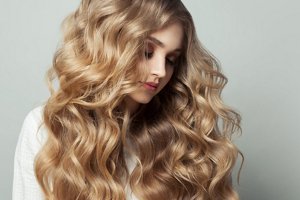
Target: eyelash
<point>148,55</point>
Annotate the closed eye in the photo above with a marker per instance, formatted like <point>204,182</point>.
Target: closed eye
<point>172,59</point>
<point>148,54</point>
<point>171,62</point>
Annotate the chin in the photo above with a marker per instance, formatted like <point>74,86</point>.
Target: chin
<point>144,101</point>
<point>134,100</point>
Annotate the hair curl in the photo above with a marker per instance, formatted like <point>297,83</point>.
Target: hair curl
<point>181,139</point>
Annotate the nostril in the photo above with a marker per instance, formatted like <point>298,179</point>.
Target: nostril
<point>158,66</point>
<point>160,73</point>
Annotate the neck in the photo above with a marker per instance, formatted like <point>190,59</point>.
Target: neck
<point>131,105</point>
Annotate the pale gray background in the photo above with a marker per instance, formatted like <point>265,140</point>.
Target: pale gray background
<point>257,43</point>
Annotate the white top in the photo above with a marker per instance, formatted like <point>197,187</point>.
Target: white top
<point>32,137</point>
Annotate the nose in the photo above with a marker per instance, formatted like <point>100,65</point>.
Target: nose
<point>158,67</point>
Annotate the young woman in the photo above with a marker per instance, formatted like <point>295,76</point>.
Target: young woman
<point>137,114</point>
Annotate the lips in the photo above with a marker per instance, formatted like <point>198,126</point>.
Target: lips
<point>151,85</point>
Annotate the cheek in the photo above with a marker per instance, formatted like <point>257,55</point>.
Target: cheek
<point>142,70</point>
<point>168,76</point>
<point>169,73</point>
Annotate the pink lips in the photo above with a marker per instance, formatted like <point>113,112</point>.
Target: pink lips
<point>150,85</point>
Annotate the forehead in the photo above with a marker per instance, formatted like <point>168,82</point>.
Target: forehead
<point>170,37</point>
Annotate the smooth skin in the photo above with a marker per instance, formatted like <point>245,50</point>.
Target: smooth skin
<point>163,49</point>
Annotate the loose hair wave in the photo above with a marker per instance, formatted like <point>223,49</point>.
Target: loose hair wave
<point>181,139</point>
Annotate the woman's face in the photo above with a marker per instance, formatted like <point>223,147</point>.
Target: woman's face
<point>162,51</point>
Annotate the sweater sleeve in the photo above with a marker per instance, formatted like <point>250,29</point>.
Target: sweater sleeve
<point>25,185</point>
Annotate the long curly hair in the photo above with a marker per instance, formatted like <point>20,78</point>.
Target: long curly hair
<point>181,139</point>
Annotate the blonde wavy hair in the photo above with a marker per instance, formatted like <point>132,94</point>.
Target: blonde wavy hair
<point>181,139</point>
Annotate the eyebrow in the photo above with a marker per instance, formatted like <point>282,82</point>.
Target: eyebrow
<point>159,43</point>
